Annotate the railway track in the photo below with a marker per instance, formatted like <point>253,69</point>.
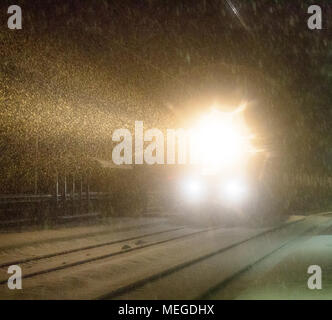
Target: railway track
<point>122,247</point>
<point>103,244</point>
<point>159,276</point>
<point>213,278</point>
<point>185,275</point>
<point>193,274</point>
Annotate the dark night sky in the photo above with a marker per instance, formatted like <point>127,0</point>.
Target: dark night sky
<point>165,42</point>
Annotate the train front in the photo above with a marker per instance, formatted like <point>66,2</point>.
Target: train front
<point>223,174</point>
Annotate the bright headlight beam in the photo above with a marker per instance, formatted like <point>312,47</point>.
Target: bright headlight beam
<point>221,139</point>
<point>234,190</point>
<point>193,189</point>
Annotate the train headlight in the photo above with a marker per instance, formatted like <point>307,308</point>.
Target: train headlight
<point>220,140</point>
<point>235,190</point>
<point>193,189</point>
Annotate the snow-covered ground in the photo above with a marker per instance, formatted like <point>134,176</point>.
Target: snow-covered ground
<point>113,225</point>
<point>121,252</point>
<point>285,274</point>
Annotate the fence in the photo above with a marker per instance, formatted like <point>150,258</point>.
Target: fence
<point>24,209</point>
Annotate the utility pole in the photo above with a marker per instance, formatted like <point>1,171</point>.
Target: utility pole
<point>36,167</point>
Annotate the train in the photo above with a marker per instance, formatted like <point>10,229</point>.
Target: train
<point>224,177</point>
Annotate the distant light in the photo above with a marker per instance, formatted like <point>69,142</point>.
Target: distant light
<point>193,188</point>
<point>235,190</point>
<point>221,139</point>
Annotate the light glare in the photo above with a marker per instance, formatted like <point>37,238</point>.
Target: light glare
<point>193,188</point>
<point>221,139</point>
<point>235,190</point>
